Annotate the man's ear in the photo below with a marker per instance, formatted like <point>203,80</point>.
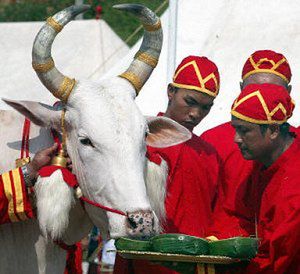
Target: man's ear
<point>164,132</point>
<point>171,91</point>
<point>40,114</point>
<point>274,131</point>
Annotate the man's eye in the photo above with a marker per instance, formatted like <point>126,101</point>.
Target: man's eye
<point>86,142</point>
<point>190,102</point>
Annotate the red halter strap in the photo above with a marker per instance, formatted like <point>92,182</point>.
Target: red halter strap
<point>82,198</point>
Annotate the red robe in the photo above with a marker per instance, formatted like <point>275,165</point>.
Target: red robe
<point>194,172</point>
<point>14,200</point>
<point>276,203</point>
<point>231,216</point>
<point>233,189</point>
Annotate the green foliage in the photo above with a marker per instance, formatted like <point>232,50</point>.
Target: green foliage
<point>123,24</point>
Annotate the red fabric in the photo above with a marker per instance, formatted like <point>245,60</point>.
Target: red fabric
<point>267,61</point>
<point>276,194</point>
<point>263,104</point>
<point>234,211</point>
<point>27,211</point>
<point>194,173</point>
<point>74,258</point>
<point>197,73</point>
<point>68,176</point>
<point>233,189</point>
<point>230,215</point>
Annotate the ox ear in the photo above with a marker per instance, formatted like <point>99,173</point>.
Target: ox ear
<point>40,114</point>
<point>164,132</point>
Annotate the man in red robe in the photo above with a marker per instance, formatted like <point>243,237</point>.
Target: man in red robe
<point>259,117</point>
<point>264,66</point>
<point>193,167</point>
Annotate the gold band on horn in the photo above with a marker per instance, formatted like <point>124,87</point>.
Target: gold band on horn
<point>133,79</point>
<point>146,58</point>
<point>44,67</point>
<point>154,27</point>
<point>54,24</point>
<point>65,89</point>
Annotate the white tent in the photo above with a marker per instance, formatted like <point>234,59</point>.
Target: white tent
<point>80,50</point>
<point>226,31</point>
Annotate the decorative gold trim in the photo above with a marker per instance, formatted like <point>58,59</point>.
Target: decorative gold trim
<point>200,269</point>
<point>204,90</point>
<point>44,67</point>
<point>269,114</point>
<point>272,70</point>
<point>54,24</point>
<point>133,79</point>
<point>154,27</point>
<point>255,121</point>
<point>211,269</point>
<point>65,89</point>
<point>19,194</point>
<point>146,58</point>
<point>22,162</point>
<point>9,196</point>
<point>202,81</point>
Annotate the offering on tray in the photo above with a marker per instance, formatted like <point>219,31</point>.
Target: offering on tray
<point>179,244</point>
<point>237,247</point>
<point>131,244</point>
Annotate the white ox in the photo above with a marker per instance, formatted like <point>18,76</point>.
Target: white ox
<point>106,140</point>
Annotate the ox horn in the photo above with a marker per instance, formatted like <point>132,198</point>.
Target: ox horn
<point>146,59</point>
<point>58,84</point>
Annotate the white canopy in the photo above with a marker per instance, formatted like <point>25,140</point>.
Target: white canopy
<point>227,32</point>
<point>80,50</point>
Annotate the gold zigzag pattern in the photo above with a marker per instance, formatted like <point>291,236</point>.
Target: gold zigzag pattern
<point>202,80</point>
<point>268,113</point>
<point>273,70</point>
<point>260,61</point>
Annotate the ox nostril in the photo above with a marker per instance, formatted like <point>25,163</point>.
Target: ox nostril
<point>132,222</point>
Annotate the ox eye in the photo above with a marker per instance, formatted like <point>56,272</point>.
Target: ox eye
<point>86,142</point>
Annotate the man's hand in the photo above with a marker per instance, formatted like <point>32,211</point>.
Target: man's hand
<point>41,158</point>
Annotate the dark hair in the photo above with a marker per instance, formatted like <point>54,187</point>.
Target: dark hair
<point>283,128</point>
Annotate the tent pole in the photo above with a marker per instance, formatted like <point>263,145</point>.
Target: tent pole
<point>172,39</point>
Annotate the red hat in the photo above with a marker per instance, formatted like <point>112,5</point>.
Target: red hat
<point>263,104</point>
<point>267,61</point>
<point>197,73</point>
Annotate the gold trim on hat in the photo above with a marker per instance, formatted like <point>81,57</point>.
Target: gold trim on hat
<point>154,27</point>
<point>146,58</point>
<point>43,67</point>
<point>270,70</point>
<point>54,24</point>
<point>65,89</point>
<point>269,114</point>
<point>202,81</point>
<point>204,90</point>
<point>133,79</point>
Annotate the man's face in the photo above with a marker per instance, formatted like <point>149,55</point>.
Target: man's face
<point>265,78</point>
<point>188,107</point>
<point>253,143</point>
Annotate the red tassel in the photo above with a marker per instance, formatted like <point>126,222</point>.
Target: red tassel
<point>68,176</point>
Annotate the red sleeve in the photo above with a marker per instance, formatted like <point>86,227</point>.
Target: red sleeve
<point>284,242</point>
<point>14,200</point>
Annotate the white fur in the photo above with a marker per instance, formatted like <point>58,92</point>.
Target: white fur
<point>155,177</point>
<point>54,201</point>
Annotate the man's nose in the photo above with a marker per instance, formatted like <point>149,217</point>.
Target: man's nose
<point>237,138</point>
<point>195,114</point>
